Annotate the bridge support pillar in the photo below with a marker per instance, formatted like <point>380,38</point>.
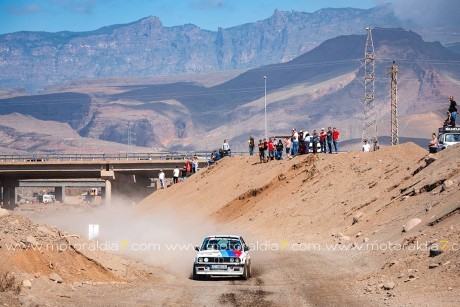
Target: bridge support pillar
<point>9,194</point>
<point>60,193</point>
<point>107,192</point>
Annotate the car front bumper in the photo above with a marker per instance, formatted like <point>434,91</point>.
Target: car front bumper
<point>217,269</point>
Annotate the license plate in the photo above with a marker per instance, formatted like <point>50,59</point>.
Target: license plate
<point>218,267</point>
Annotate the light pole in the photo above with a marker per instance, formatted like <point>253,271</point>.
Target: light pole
<point>265,98</point>
<point>129,137</point>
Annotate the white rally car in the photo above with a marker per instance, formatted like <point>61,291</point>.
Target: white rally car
<point>223,255</point>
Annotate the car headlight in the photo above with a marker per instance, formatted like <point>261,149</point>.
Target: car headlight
<point>200,259</point>
<point>237,260</point>
<point>232,259</point>
<point>206,259</point>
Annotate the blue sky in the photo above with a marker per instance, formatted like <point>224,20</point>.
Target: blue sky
<point>85,15</point>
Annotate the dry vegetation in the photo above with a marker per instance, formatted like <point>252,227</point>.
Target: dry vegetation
<point>8,283</point>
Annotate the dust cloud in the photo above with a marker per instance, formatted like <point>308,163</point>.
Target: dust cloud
<point>165,238</point>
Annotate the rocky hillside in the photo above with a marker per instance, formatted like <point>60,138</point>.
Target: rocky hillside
<point>146,48</point>
<point>394,206</point>
<point>387,235</point>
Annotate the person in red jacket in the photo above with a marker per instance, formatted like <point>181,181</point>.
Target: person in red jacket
<point>271,149</point>
<point>335,139</point>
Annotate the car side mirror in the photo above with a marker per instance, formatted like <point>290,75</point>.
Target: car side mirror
<point>246,248</point>
<point>197,248</point>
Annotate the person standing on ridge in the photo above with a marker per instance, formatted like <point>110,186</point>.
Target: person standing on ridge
<point>271,149</point>
<point>301,149</point>
<point>453,111</point>
<point>295,142</point>
<point>176,173</point>
<point>315,140</point>
<point>306,141</point>
<point>265,150</point>
<point>251,144</point>
<point>287,145</point>
<point>225,148</point>
<point>195,164</point>
<point>366,146</point>
<point>261,151</point>
<point>279,150</point>
<point>335,139</point>
<point>433,144</point>
<point>322,140</point>
<point>188,168</point>
<point>161,176</point>
<point>329,139</point>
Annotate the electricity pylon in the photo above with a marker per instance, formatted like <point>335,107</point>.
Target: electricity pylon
<point>370,116</point>
<point>394,104</point>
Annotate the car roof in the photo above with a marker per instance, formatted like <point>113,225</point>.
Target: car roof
<point>224,236</point>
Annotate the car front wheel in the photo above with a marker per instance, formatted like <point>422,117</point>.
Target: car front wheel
<point>247,271</point>
<point>194,274</point>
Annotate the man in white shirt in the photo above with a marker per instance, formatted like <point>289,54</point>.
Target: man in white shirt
<point>161,176</point>
<point>176,173</point>
<point>366,146</point>
<point>226,148</point>
<point>295,142</point>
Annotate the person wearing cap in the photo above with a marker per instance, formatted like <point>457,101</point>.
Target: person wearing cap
<point>161,176</point>
<point>366,146</point>
<point>376,145</point>
<point>322,140</point>
<point>453,110</point>
<point>335,139</point>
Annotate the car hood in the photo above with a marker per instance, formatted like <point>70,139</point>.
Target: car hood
<point>220,253</point>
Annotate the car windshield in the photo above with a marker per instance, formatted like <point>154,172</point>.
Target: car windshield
<point>221,244</point>
<point>452,137</point>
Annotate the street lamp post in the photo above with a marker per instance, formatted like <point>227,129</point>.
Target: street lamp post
<point>265,98</point>
<point>129,136</point>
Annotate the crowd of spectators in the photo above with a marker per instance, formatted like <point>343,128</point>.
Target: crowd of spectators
<point>297,143</point>
<point>180,174</point>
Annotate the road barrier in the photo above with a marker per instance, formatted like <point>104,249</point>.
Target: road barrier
<point>202,155</point>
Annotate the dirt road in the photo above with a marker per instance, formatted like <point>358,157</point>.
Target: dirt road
<point>280,278</point>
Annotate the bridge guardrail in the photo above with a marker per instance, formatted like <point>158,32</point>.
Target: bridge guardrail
<point>202,155</point>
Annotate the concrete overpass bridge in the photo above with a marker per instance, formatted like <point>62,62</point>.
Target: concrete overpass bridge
<point>121,177</point>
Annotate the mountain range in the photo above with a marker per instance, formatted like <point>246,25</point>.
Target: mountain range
<point>34,60</point>
<point>320,88</point>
